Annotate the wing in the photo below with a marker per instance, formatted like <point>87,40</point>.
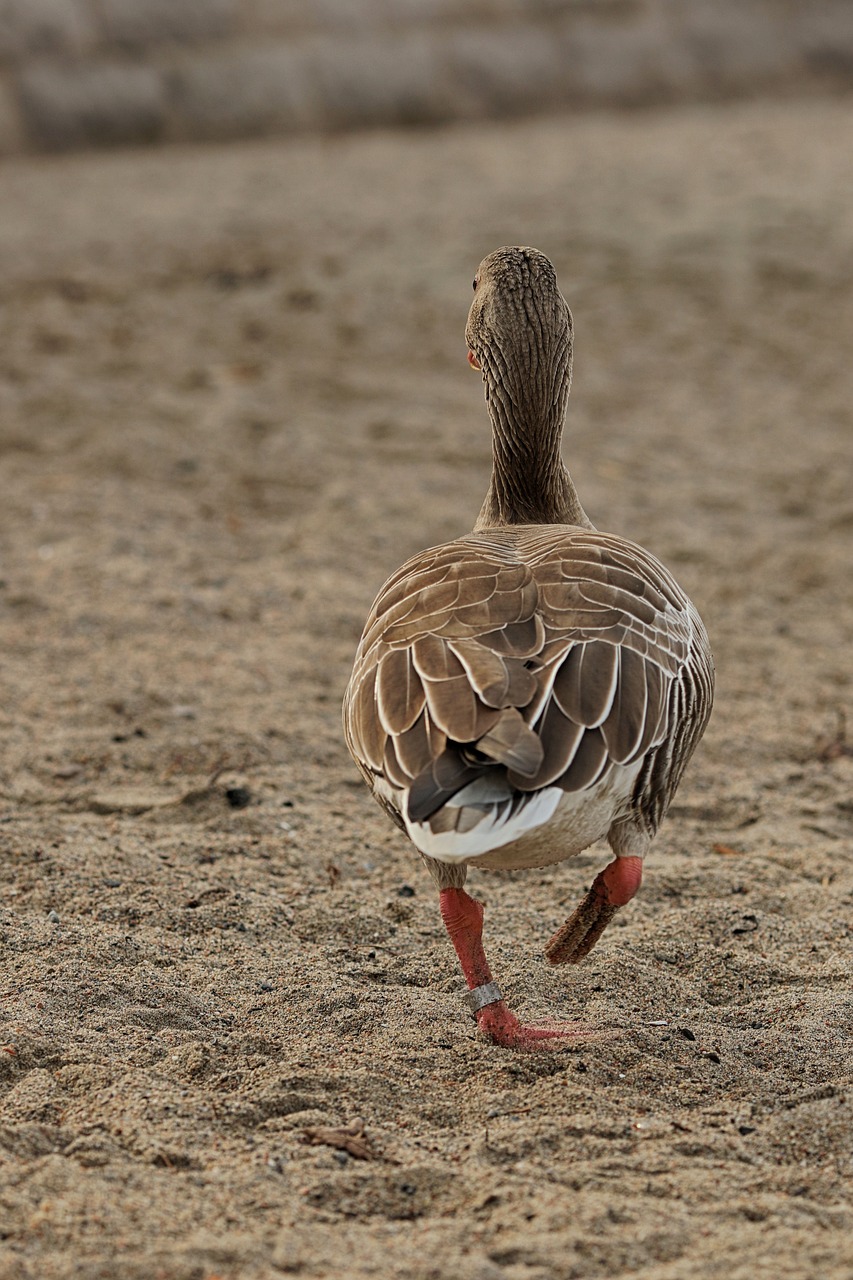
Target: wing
<point>514,661</point>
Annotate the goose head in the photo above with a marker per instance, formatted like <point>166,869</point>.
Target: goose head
<point>519,334</point>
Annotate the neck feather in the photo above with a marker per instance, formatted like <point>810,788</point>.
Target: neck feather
<point>529,484</point>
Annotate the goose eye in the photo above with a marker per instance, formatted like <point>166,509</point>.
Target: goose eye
<point>475,284</point>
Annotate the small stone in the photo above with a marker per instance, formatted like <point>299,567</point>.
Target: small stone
<point>53,917</point>
<point>238,797</point>
<point>65,771</point>
<point>182,711</point>
<point>405,891</point>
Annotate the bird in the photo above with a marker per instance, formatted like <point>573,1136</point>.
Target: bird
<point>534,685</point>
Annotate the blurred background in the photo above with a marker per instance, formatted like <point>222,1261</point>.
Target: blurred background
<point>104,72</point>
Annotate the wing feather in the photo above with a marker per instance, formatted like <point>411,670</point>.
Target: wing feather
<point>560,738</point>
<point>434,659</point>
<point>622,730</point>
<point>456,709</point>
<point>399,691</point>
<point>588,762</point>
<point>512,743</point>
<point>419,745</point>
<point>368,734</point>
<point>487,671</point>
<point>516,639</point>
<point>587,682</point>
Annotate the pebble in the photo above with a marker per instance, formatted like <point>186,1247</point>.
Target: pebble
<point>238,797</point>
<point>65,771</point>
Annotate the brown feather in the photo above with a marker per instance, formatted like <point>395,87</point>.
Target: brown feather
<point>586,683</point>
<point>456,709</point>
<point>371,735</point>
<point>656,688</point>
<point>419,745</point>
<point>516,639</point>
<point>588,762</point>
<point>608,596</point>
<point>407,630</point>
<point>488,673</point>
<point>391,766</point>
<point>623,728</point>
<point>399,692</point>
<point>406,586</point>
<point>512,743</point>
<point>446,775</point>
<point>434,659</point>
<point>559,738</point>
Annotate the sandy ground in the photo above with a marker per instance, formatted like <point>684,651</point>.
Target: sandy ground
<point>234,396</point>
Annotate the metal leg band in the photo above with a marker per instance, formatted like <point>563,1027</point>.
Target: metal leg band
<point>488,993</point>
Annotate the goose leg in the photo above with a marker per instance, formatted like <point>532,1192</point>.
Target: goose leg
<point>611,889</point>
<point>463,919</point>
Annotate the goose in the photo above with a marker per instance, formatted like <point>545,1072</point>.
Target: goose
<point>535,685</point>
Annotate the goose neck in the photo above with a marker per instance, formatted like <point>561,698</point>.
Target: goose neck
<point>529,482</point>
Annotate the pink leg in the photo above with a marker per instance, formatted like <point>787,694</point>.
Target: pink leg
<point>611,889</point>
<point>463,919</point>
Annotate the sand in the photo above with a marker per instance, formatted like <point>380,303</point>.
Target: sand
<point>233,397</point>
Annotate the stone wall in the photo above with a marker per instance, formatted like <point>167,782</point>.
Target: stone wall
<point>78,73</point>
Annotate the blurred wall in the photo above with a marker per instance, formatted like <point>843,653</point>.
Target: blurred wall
<point>76,73</point>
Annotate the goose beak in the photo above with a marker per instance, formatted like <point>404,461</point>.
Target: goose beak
<point>473,361</point>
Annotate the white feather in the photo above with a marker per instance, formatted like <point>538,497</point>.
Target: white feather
<point>508,829</point>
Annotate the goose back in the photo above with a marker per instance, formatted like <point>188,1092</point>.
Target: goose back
<point>519,660</point>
